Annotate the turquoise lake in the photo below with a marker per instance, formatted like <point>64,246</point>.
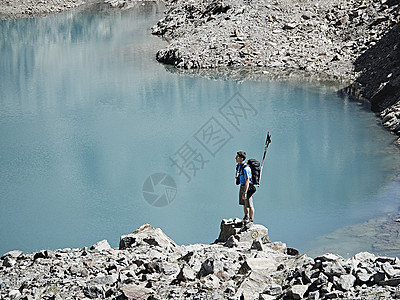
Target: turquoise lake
<point>98,138</point>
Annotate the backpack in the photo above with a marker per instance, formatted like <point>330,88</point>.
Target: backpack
<point>254,165</point>
<point>255,168</point>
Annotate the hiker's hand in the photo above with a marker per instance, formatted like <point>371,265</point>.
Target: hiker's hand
<point>244,196</point>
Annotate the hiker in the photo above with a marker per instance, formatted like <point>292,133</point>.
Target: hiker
<point>243,173</point>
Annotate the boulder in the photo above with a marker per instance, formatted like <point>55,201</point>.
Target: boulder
<point>147,235</point>
<point>186,274</point>
<point>232,241</point>
<point>93,291</point>
<point>257,245</point>
<point>255,283</point>
<point>44,254</point>
<point>14,294</point>
<point>273,289</point>
<point>267,264</point>
<point>207,267</point>
<point>345,282</point>
<point>9,261</point>
<point>228,228</point>
<point>365,256</point>
<point>100,246</point>
<point>137,292</point>
<point>13,254</point>
<point>333,269</point>
<point>279,246</point>
<point>390,282</point>
<point>328,257</point>
<point>103,280</point>
<point>363,276</point>
<point>234,227</point>
<point>297,291</point>
<point>211,282</point>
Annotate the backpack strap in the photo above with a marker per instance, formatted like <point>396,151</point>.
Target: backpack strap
<point>241,171</point>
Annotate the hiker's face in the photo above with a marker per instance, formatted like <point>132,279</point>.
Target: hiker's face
<point>238,159</point>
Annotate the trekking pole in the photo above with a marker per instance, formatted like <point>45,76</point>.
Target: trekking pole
<point>267,142</point>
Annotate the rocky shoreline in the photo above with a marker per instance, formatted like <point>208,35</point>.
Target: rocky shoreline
<point>352,41</point>
<point>241,264</point>
<point>12,9</point>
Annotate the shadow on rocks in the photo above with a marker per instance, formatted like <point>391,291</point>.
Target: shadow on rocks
<point>379,67</point>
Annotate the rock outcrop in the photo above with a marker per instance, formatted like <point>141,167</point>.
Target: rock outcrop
<point>323,37</point>
<point>149,265</point>
<point>11,9</point>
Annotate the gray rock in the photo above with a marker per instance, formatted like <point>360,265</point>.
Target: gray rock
<point>292,251</point>
<point>345,282</point>
<point>278,246</point>
<point>232,241</point>
<point>101,245</point>
<point>266,297</point>
<point>329,257</point>
<point>9,262</point>
<point>207,267</point>
<point>14,294</point>
<point>256,231</point>
<point>378,277</point>
<point>290,26</point>
<point>211,282</point>
<point>273,289</point>
<point>257,245</point>
<point>13,254</point>
<point>134,291</point>
<point>147,235</point>
<point>390,282</point>
<point>170,269</point>
<point>322,278</point>
<point>254,283</point>
<point>333,268</point>
<point>228,228</point>
<point>313,295</point>
<point>186,274</point>
<point>363,276</point>
<point>234,227</point>
<point>267,264</point>
<point>390,271</point>
<point>297,291</point>
<point>104,280</point>
<point>93,292</point>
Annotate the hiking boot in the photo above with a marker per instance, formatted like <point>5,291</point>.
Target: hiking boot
<point>245,220</point>
<point>250,221</point>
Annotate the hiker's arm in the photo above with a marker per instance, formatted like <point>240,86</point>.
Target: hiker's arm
<point>246,187</point>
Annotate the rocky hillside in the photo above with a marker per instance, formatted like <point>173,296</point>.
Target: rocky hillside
<point>379,78</point>
<point>354,41</point>
<point>241,264</point>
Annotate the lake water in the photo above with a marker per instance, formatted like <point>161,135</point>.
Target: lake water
<point>97,138</point>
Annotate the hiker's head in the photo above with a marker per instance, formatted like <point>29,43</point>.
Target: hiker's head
<point>240,156</point>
